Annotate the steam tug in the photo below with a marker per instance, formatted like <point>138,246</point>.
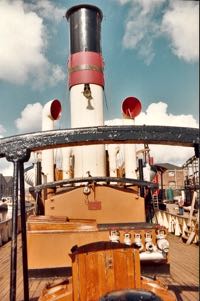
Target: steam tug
<point>91,222</point>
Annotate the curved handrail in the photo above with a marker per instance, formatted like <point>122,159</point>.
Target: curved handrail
<point>92,180</point>
<point>15,146</point>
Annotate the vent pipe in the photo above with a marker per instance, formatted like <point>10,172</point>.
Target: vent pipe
<point>131,107</point>
<point>51,112</point>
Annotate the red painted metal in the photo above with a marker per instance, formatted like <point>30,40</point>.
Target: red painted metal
<point>131,107</point>
<point>55,109</point>
<point>86,68</point>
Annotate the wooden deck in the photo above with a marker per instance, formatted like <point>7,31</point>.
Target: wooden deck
<point>184,280</point>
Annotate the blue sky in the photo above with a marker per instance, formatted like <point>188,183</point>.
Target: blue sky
<point>150,49</point>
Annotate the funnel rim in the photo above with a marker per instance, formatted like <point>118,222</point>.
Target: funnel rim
<point>76,7</point>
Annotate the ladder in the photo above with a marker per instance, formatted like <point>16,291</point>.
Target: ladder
<point>192,228</point>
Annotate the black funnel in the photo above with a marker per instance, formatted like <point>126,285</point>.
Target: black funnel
<point>85,28</point>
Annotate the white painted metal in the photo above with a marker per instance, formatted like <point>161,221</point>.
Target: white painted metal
<point>29,177</point>
<point>171,224</point>
<point>85,113</point>
<point>154,256</point>
<point>163,245</point>
<point>130,155</point>
<point>115,151</point>
<point>112,153</point>
<point>138,241</point>
<point>165,221</point>
<point>48,155</point>
<point>178,225</point>
<point>66,153</point>
<point>148,172</point>
<point>82,114</point>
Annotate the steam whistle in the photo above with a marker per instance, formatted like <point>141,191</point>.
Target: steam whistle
<point>87,93</point>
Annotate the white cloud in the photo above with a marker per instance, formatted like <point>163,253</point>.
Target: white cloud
<point>23,44</point>
<point>146,5</point>
<point>148,20</point>
<point>2,130</point>
<point>31,118</point>
<point>141,28</point>
<point>57,75</point>
<point>122,2</point>
<point>157,114</point>
<point>47,10</point>
<point>6,168</point>
<point>181,24</point>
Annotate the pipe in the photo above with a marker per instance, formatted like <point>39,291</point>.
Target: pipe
<point>115,153</point>
<point>51,112</point>
<point>23,229</point>
<point>130,155</point>
<point>152,256</point>
<point>131,107</point>
<point>163,245</point>
<point>29,177</point>
<point>13,265</point>
<point>150,246</point>
<point>141,176</point>
<point>138,241</point>
<point>112,152</point>
<point>66,154</point>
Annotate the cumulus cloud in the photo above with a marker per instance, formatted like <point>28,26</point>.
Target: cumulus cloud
<point>57,75</point>
<point>2,130</point>
<point>23,44</point>
<point>141,28</point>
<point>157,114</point>
<point>6,168</point>
<point>122,2</point>
<point>47,10</point>
<point>149,20</point>
<point>180,23</point>
<point>31,119</point>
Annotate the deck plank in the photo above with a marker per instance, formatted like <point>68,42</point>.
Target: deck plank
<point>184,280</point>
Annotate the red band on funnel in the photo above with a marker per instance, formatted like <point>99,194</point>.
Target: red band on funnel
<point>86,68</point>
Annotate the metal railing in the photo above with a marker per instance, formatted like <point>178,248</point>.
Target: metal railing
<point>17,149</point>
